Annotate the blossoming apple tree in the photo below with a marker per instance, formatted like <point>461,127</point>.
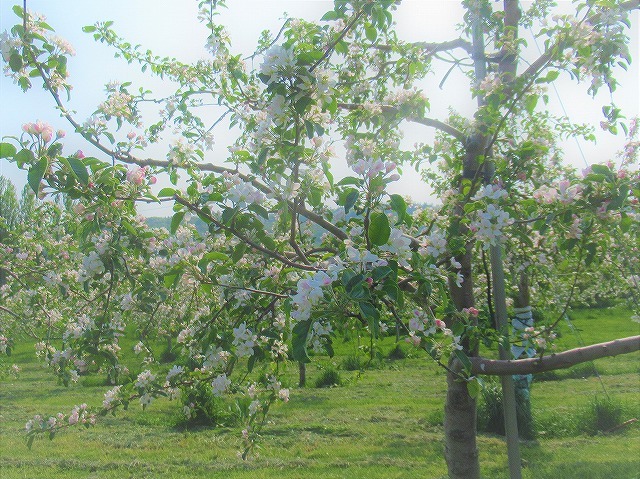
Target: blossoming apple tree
<point>292,254</point>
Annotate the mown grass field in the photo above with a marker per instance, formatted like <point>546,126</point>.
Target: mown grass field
<point>382,423</point>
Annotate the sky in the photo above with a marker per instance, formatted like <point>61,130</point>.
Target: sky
<point>170,28</point>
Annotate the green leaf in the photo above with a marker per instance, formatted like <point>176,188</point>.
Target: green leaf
<point>171,278</point>
<point>301,105</point>
<point>328,347</point>
<point>330,15</point>
<point>15,62</point>
<point>89,29</point>
<point>36,173</point>
<point>352,281</point>
<point>350,200</point>
<point>359,293</point>
<point>299,341</point>
<point>399,206</point>
<point>315,196</point>
<point>349,180</point>
<point>79,169</point>
<point>238,252</point>
<point>381,272</point>
<point>309,127</point>
<point>551,76</point>
<point>392,291</point>
<point>372,315</point>
<point>592,249</point>
<point>342,47</point>
<point>530,103</point>
<point>23,157</point>
<point>327,173</point>
<point>7,150</point>
<point>215,256</point>
<point>371,33</point>
<point>602,170</point>
<point>379,229</point>
<point>166,192</point>
<point>259,210</point>
<point>368,310</point>
<point>473,387</point>
<point>463,359</point>
<point>175,221</point>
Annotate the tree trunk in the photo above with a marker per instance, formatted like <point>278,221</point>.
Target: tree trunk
<point>302,371</point>
<point>461,451</point>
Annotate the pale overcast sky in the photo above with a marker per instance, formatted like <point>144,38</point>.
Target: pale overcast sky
<point>169,28</point>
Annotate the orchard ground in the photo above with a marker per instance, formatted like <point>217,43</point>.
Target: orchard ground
<point>383,422</point>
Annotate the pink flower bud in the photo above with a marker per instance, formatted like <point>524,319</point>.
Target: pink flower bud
<point>79,154</point>
<point>60,134</point>
<point>153,180</point>
<point>131,135</point>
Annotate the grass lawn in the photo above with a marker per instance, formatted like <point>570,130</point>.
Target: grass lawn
<point>382,423</point>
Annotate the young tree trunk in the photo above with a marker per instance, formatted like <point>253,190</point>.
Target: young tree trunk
<point>302,371</point>
<point>461,451</point>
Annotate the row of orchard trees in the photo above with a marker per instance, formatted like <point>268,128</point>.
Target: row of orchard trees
<point>263,286</point>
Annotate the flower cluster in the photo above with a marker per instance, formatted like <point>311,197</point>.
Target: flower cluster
<point>399,245</point>
<point>309,293</point>
<point>92,266</point>
<point>489,224</point>
<point>41,130</point>
<point>278,62</point>
<point>563,192</point>
<point>244,340</point>
<point>241,192</point>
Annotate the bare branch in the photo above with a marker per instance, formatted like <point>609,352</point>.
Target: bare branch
<point>497,367</point>
<point>431,48</point>
<point>431,122</point>
<point>332,45</point>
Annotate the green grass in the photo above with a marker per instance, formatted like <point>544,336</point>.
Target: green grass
<point>381,423</point>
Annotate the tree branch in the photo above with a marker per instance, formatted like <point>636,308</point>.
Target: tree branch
<point>431,122</point>
<point>432,48</point>
<point>543,60</point>
<point>496,367</point>
<point>252,244</point>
